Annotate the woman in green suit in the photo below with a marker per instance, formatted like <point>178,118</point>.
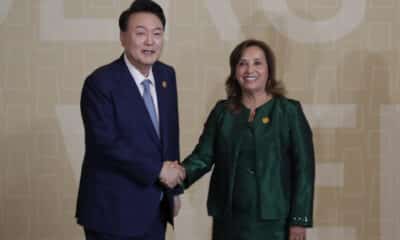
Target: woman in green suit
<point>260,145</point>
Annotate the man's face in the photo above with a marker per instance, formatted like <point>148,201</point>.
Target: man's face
<point>143,40</point>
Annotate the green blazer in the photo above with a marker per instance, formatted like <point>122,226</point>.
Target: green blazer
<point>284,160</point>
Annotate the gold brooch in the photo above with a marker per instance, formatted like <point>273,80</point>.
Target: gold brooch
<point>164,84</point>
<point>265,120</point>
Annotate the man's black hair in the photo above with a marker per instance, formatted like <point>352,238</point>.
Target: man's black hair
<point>146,6</point>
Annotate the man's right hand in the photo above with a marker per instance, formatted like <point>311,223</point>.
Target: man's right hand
<point>172,174</point>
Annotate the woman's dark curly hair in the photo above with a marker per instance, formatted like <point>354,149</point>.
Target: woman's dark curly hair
<point>233,90</point>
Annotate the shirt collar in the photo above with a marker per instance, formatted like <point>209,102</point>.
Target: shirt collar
<point>136,74</point>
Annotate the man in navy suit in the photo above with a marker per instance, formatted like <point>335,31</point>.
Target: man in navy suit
<point>129,181</point>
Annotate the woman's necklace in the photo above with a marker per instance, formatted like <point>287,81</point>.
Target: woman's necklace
<point>253,104</point>
<point>252,115</point>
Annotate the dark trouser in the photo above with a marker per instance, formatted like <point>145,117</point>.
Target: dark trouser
<point>156,231</point>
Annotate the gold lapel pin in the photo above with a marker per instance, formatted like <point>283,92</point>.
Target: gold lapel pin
<point>265,120</point>
<point>164,84</point>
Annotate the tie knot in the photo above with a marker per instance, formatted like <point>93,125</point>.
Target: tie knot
<point>146,83</point>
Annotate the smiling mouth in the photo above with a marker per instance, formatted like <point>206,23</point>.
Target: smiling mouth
<point>148,52</point>
<point>250,78</point>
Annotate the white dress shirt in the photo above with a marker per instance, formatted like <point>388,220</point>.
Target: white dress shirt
<point>139,78</point>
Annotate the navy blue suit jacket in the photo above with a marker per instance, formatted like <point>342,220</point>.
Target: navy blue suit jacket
<point>119,190</point>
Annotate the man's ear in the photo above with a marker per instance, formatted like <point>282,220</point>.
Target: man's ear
<point>122,38</point>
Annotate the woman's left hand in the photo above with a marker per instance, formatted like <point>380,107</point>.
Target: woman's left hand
<point>297,233</point>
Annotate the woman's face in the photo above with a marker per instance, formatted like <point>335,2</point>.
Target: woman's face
<point>252,70</point>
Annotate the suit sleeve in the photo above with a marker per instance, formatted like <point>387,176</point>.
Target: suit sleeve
<point>303,169</point>
<point>103,140</point>
<point>200,161</point>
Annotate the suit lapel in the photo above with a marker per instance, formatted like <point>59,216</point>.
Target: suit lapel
<point>264,121</point>
<point>264,132</point>
<point>162,97</point>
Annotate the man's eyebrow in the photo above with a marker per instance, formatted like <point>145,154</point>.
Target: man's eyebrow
<point>155,29</point>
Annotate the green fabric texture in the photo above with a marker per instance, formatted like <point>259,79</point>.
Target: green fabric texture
<point>284,160</point>
<point>244,196</point>
<point>240,229</point>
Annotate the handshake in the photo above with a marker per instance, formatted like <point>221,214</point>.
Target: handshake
<point>172,174</point>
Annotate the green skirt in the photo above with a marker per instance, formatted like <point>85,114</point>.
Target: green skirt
<point>240,229</point>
